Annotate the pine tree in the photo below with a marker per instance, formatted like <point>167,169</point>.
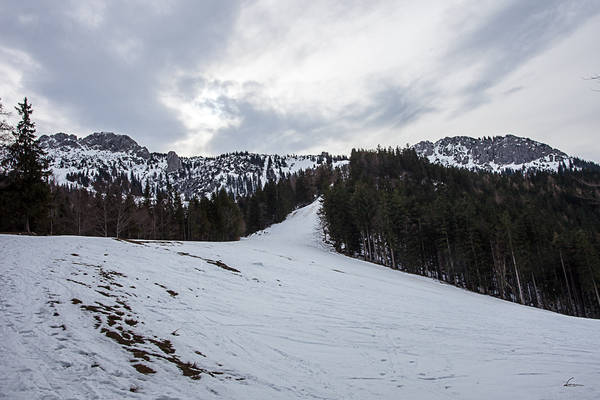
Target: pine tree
<point>27,170</point>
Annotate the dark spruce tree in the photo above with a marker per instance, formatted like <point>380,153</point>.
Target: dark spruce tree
<point>26,195</point>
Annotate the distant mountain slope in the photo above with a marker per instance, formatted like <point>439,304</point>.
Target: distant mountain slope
<point>104,157</point>
<point>494,154</point>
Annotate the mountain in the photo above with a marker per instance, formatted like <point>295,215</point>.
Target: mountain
<point>104,157</point>
<point>494,154</point>
<point>275,316</point>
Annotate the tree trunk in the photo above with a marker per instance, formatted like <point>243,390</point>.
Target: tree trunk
<point>369,246</point>
<point>512,252</point>
<point>422,245</point>
<point>566,281</point>
<point>499,271</point>
<point>595,287</point>
<point>538,297</point>
<point>450,258</point>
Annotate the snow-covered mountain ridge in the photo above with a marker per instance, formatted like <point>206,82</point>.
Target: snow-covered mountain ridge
<point>494,154</point>
<point>105,156</point>
<point>274,316</point>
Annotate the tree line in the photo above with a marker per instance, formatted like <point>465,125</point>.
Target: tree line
<point>118,205</point>
<point>527,237</point>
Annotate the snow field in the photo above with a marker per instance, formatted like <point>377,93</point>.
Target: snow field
<point>297,321</point>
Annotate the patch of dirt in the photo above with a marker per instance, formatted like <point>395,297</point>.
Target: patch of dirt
<point>171,292</point>
<point>109,275</point>
<point>79,283</point>
<point>86,265</point>
<point>143,369</point>
<point>53,302</point>
<point>165,345</point>
<point>119,323</point>
<point>218,263</point>
<point>221,264</point>
<point>130,241</point>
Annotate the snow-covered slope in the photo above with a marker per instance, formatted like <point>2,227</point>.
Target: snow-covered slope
<point>494,154</point>
<point>105,157</point>
<point>274,316</point>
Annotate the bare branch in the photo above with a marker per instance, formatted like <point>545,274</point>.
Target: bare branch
<point>568,382</point>
<point>588,184</point>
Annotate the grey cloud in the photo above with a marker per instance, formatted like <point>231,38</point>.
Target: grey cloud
<point>84,71</point>
<point>265,129</point>
<point>511,37</point>
<point>108,75</point>
<point>393,106</point>
<point>268,130</point>
<point>513,90</point>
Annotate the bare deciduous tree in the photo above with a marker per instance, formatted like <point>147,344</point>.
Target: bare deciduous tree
<point>5,127</point>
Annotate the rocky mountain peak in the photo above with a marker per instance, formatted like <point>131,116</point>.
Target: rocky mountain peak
<point>58,140</point>
<point>99,141</point>
<point>496,153</point>
<point>173,161</point>
<point>116,143</point>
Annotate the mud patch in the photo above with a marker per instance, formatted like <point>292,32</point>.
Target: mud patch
<point>130,241</point>
<point>118,322</point>
<point>218,263</point>
<point>221,264</point>
<point>143,369</point>
<point>79,283</point>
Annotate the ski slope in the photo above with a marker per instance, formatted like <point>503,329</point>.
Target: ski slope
<point>85,318</point>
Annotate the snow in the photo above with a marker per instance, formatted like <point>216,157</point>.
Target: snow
<point>296,322</point>
<point>453,152</point>
<point>205,175</point>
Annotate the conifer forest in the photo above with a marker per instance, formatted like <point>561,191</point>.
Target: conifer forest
<point>532,238</point>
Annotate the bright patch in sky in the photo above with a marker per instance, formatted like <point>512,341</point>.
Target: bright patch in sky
<point>271,76</point>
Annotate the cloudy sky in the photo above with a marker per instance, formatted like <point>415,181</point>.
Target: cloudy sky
<point>206,77</point>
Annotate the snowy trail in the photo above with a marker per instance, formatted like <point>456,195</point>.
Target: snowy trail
<point>78,316</point>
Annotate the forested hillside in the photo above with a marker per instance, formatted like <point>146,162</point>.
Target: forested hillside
<point>532,237</point>
<point>229,199</point>
<point>114,210</point>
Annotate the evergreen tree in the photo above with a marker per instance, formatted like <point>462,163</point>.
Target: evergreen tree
<point>27,174</point>
<point>522,236</point>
